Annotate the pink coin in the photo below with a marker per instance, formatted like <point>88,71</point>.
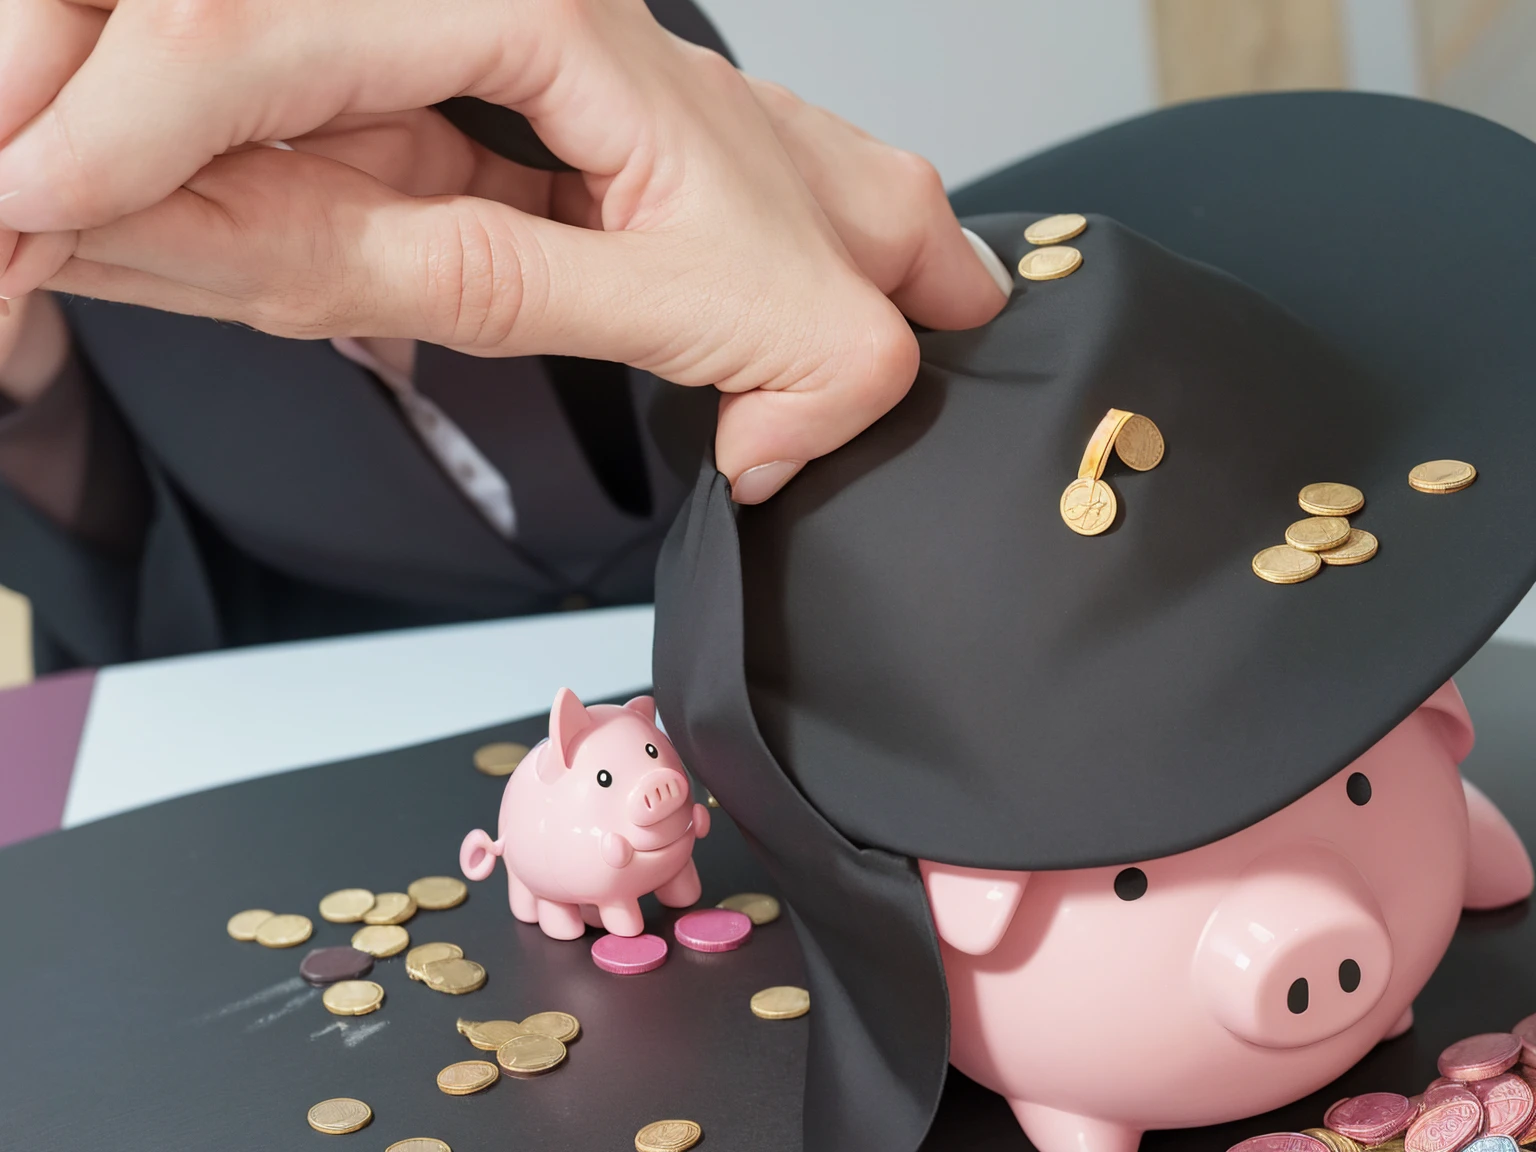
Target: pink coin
<point>1446,1127</point>
<point>1479,1057</point>
<point>1280,1142</point>
<point>1441,1093</point>
<point>713,930</point>
<point>1508,1103</point>
<point>1529,1133</point>
<point>629,955</point>
<point>1371,1118</point>
<point>1526,1031</point>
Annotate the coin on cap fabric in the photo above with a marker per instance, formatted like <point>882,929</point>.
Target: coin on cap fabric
<point>1283,564</point>
<point>1050,263</point>
<point>1055,229</point>
<point>347,906</point>
<point>339,1116</point>
<point>455,977</point>
<point>1479,1057</point>
<point>629,955</point>
<point>1335,1141</point>
<point>435,893</point>
<point>1357,548</point>
<point>668,1136</point>
<point>286,931</point>
<point>759,907</point>
<point>713,930</point>
<point>782,1002</point>
<point>353,998</point>
<point>1442,476</point>
<point>328,965</point>
<point>499,759</point>
<point>561,1026</point>
<point>530,1054</point>
<point>418,1144</point>
<point>423,954</point>
<point>1508,1104</point>
<point>467,1076</point>
<point>390,908</point>
<point>1096,454</point>
<point>1317,533</point>
<point>381,940</point>
<point>1088,506</point>
<point>243,925</point>
<point>1140,444</point>
<point>1329,499</point>
<point>1280,1142</point>
<point>1370,1118</point>
<point>1445,1127</point>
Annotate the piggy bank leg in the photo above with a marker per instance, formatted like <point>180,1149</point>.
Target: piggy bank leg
<point>683,889</point>
<point>1051,1130</point>
<point>622,917</point>
<point>1498,868</point>
<point>525,906</point>
<point>561,921</point>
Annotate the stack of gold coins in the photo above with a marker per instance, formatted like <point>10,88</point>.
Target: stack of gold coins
<point>1089,505</point>
<point>1324,537</point>
<point>1052,258</point>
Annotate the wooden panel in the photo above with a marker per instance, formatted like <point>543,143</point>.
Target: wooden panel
<point>1217,47</point>
<point>15,639</point>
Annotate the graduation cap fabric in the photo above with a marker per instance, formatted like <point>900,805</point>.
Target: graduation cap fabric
<point>907,653</point>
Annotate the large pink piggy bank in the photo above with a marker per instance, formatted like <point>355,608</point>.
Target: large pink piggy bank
<point>594,818</point>
<point>1233,978</point>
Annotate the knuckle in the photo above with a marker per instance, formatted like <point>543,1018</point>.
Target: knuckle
<point>182,22</point>
<point>917,179</point>
<point>475,279</point>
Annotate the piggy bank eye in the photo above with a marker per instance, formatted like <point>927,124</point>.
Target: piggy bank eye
<point>604,778</point>
<point>1359,788</point>
<point>650,750</point>
<point>1131,884</point>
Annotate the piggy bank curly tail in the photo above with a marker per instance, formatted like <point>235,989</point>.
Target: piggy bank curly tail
<point>478,854</point>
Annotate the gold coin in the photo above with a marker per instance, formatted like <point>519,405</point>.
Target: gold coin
<point>418,1144</point>
<point>1140,444</point>
<point>1396,1144</point>
<point>1442,476</point>
<point>435,893</point>
<point>390,908</point>
<point>1055,229</point>
<point>1096,455</point>
<point>243,925</point>
<point>668,1136</point>
<point>1336,1141</point>
<point>1327,499</point>
<point>1050,263</point>
<point>784,1002</point>
<point>1283,564</point>
<point>467,1076</point>
<point>462,1024</point>
<point>455,977</point>
<point>489,1035</point>
<point>530,1055</point>
<point>353,998</point>
<point>561,1026</point>
<point>710,801</point>
<point>758,907</point>
<point>1359,548</point>
<point>423,954</point>
<point>339,1116</point>
<point>284,931</point>
<point>1317,533</point>
<point>347,906</point>
<point>381,940</point>
<point>499,759</point>
<point>1088,506</point>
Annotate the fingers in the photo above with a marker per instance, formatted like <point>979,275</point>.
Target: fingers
<point>42,42</point>
<point>34,259</point>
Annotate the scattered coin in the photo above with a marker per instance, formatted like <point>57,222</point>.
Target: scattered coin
<point>1139,444</point>
<point>782,1002</point>
<point>1335,1141</point>
<point>1479,1057</point>
<point>1283,564</point>
<point>1317,533</point>
<point>1526,1031</point>
<point>1370,1118</point>
<point>1508,1104</point>
<point>1328,499</point>
<point>381,940</point>
<point>423,954</point>
<point>347,906</point>
<point>759,907</point>
<point>1088,506</point>
<point>467,1076</point>
<point>713,930</point>
<point>435,893</point>
<point>390,908</point>
<point>629,955</point>
<point>339,1115</point>
<point>1493,1142</point>
<point>353,998</point>
<point>455,977</point>
<point>489,1035</point>
<point>243,925</point>
<point>1056,229</point>
<point>530,1055</point>
<point>1357,548</point>
<point>561,1026</point>
<point>499,759</point>
<point>1050,263</point>
<point>1280,1142</point>
<point>328,965</point>
<point>286,931</point>
<point>1439,476</point>
<point>1445,1127</point>
<point>710,801</point>
<point>668,1136</point>
<point>418,1144</point>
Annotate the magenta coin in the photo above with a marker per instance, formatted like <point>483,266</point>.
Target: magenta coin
<point>1441,1093</point>
<point>1479,1057</point>
<point>629,955</point>
<point>1526,1031</point>
<point>1446,1127</point>
<point>1280,1142</point>
<point>1508,1103</point>
<point>1371,1118</point>
<point>713,930</point>
<point>330,965</point>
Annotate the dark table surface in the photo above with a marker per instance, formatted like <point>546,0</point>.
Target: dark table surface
<point>130,1020</point>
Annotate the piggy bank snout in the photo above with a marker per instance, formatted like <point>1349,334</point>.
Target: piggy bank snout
<point>657,795</point>
<point>1296,951</point>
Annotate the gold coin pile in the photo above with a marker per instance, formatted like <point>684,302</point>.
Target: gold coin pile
<point>423,954</point>
<point>668,1136</point>
<point>490,1035</point>
<point>499,759</point>
<point>1089,505</point>
<point>1442,476</point>
<point>530,1054</point>
<point>1052,258</point>
<point>1324,537</point>
<point>784,1002</point>
<point>269,930</point>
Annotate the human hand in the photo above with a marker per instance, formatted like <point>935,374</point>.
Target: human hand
<point>720,265</point>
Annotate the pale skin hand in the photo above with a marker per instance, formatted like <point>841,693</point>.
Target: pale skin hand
<point>748,241</point>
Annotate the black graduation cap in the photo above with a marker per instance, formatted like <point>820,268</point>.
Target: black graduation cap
<point>907,653</point>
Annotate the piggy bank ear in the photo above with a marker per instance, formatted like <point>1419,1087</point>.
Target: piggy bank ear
<point>972,907</point>
<point>645,705</point>
<point>1448,713</point>
<point>567,720</point>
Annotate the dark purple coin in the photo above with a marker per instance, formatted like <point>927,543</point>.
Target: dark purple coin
<point>329,965</point>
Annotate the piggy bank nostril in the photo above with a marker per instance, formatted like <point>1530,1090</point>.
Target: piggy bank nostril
<point>1349,975</point>
<point>1296,998</point>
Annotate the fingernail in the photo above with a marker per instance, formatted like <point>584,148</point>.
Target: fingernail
<point>280,145</point>
<point>995,267</point>
<point>757,484</point>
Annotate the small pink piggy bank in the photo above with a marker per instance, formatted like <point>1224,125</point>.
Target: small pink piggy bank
<point>1233,978</point>
<point>594,818</point>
